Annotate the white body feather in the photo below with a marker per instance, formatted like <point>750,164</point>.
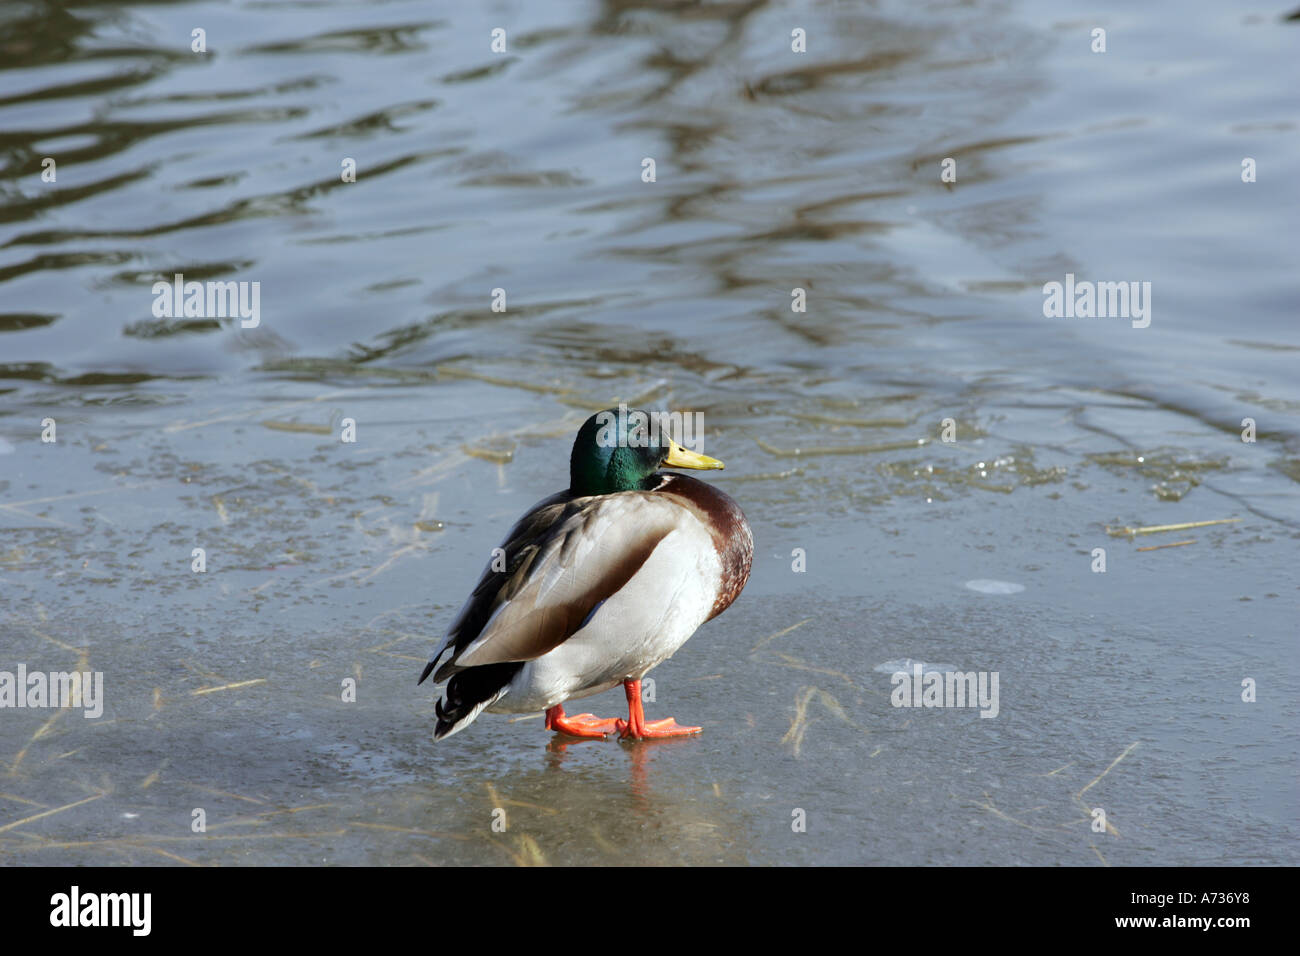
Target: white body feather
<point>637,628</point>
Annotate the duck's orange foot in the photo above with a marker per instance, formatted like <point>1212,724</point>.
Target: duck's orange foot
<point>580,725</point>
<point>654,729</point>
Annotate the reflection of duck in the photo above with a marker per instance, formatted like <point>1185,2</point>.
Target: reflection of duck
<point>597,585</point>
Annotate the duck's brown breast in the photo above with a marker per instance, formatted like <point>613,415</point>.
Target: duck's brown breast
<point>732,537</point>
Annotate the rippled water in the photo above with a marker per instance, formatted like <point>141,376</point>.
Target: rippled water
<point>775,170</point>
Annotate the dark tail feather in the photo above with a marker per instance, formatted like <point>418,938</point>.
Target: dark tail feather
<point>468,692</point>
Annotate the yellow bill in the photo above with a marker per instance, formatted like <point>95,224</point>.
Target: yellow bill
<point>679,457</point>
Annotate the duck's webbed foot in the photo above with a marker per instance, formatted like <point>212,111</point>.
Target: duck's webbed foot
<point>580,725</point>
<point>652,729</point>
<point>636,727</point>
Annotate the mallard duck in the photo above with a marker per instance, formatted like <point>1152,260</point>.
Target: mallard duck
<point>595,586</point>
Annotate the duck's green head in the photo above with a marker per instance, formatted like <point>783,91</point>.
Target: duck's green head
<point>620,449</point>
